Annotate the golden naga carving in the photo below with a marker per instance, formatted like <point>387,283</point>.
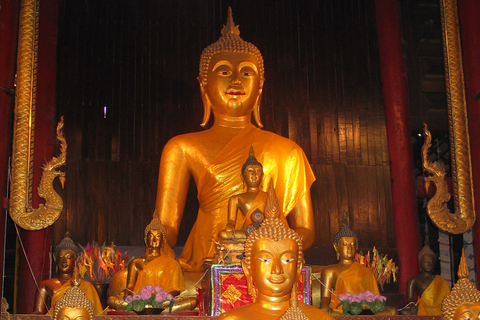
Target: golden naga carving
<point>21,209</point>
<point>463,217</point>
<point>456,223</point>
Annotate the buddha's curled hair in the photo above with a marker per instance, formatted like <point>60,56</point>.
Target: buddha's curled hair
<point>272,227</point>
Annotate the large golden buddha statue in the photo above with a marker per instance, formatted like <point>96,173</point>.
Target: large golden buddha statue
<point>52,290</point>
<point>231,83</point>
<point>74,305</point>
<point>272,265</point>
<point>430,288</point>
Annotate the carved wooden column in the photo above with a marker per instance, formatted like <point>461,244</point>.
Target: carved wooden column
<point>38,243</point>
<point>469,15</point>
<point>397,119</point>
<point>8,47</point>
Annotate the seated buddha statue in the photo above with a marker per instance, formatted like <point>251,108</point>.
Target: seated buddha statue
<point>52,290</point>
<point>73,305</point>
<point>463,302</point>
<point>430,288</point>
<point>155,268</point>
<point>272,264</point>
<point>251,202</point>
<point>347,275</point>
<point>231,82</point>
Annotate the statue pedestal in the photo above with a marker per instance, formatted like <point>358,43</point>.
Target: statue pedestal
<point>225,288</point>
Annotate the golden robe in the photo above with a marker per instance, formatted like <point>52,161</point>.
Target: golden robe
<point>243,221</point>
<point>430,303</point>
<point>283,161</point>
<point>162,271</point>
<point>86,287</point>
<point>356,279</point>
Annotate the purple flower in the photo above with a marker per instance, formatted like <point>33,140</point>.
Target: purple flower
<point>145,293</point>
<point>128,299</point>
<point>382,298</point>
<point>159,289</point>
<point>169,297</point>
<point>160,297</point>
<point>370,296</point>
<point>136,296</point>
<point>149,287</point>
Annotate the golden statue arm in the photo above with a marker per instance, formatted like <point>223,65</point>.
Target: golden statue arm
<point>173,179</point>
<point>456,223</point>
<point>301,220</point>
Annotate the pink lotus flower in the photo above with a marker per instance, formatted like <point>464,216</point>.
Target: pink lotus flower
<point>137,296</point>
<point>128,299</point>
<point>145,293</point>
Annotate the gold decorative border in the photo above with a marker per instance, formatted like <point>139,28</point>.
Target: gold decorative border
<point>463,217</point>
<point>21,210</point>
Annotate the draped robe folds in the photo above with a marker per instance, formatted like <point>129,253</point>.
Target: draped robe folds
<point>86,287</point>
<point>162,271</point>
<point>242,220</point>
<point>283,161</point>
<point>430,303</point>
<point>356,279</point>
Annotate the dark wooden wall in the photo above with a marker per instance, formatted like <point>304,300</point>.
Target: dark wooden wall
<point>139,59</point>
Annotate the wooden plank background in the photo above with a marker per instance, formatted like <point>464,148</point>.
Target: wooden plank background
<point>138,60</point>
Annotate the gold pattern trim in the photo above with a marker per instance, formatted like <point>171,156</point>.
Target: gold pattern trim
<point>463,217</point>
<point>21,209</point>
<point>231,294</point>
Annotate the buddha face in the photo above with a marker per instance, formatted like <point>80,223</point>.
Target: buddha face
<point>427,263</point>
<point>66,261</point>
<point>233,83</point>
<point>67,313</point>
<point>274,266</point>
<point>346,248</point>
<point>467,311</point>
<point>154,239</point>
<point>253,175</point>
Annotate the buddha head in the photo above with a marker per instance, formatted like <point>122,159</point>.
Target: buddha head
<point>231,75</point>
<point>463,302</point>
<point>65,255</point>
<point>252,171</point>
<point>74,305</point>
<point>155,233</point>
<point>345,242</point>
<point>426,259</point>
<point>273,255</point>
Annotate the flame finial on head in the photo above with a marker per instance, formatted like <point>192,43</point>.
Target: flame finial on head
<point>230,27</point>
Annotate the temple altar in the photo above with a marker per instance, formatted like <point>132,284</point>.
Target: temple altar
<point>179,317</point>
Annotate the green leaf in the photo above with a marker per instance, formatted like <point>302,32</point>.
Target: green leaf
<point>138,305</point>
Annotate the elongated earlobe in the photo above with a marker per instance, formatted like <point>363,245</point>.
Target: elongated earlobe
<point>256,110</point>
<point>207,110</point>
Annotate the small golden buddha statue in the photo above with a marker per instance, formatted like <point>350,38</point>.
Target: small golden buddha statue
<point>52,290</point>
<point>463,302</point>
<point>272,265</point>
<point>251,202</point>
<point>231,83</point>
<point>347,275</point>
<point>155,268</point>
<point>74,305</point>
<point>430,288</point>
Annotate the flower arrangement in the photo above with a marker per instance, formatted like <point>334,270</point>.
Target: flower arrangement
<point>355,303</point>
<point>100,263</point>
<point>150,297</point>
<point>383,268</point>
